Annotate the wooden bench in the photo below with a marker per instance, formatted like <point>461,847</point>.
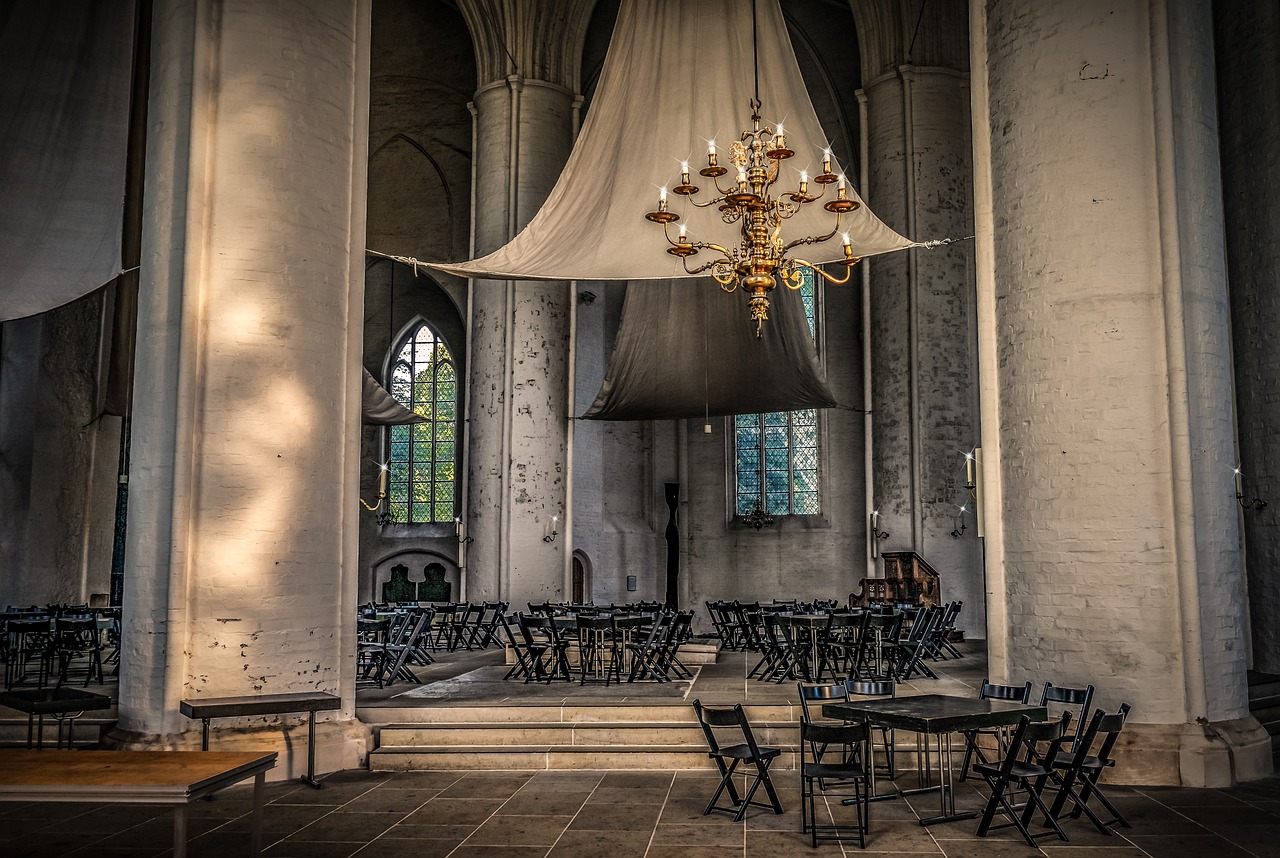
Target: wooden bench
<point>310,702</point>
<point>175,778</point>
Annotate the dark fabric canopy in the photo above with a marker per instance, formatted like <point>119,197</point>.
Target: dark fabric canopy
<point>379,408</point>
<point>685,349</point>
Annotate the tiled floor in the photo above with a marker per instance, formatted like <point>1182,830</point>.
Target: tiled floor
<point>615,814</point>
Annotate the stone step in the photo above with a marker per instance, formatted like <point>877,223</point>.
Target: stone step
<point>629,737</point>
<point>88,731</point>
<point>1261,688</point>
<point>554,713</point>
<point>1260,705</point>
<point>532,757</point>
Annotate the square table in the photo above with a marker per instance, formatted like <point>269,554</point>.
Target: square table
<point>61,702</point>
<point>937,715</point>
<point>174,778</point>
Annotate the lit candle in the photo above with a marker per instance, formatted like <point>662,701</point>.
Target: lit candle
<point>781,139</point>
<point>684,172</point>
<point>1239,483</point>
<point>382,481</point>
<point>457,527</point>
<point>968,469</point>
<point>875,521</point>
<point>804,182</point>
<point>662,196</point>
<point>711,148</point>
<point>840,184</point>
<point>742,178</point>
<point>826,160</point>
<point>683,238</point>
<point>848,245</point>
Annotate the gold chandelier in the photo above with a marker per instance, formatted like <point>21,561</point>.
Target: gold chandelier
<point>761,258</point>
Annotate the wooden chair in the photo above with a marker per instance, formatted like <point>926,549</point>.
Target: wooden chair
<point>728,757</point>
<point>845,779</point>
<point>991,691</point>
<point>1019,770</point>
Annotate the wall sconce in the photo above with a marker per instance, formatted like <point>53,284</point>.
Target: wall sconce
<point>876,533</point>
<point>1256,503</point>
<point>586,297</point>
<point>958,530</point>
<point>384,517</point>
<point>970,469</point>
<point>553,529</point>
<point>460,531</point>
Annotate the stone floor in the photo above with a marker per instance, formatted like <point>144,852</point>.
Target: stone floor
<point>615,814</point>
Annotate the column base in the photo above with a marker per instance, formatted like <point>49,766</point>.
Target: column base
<point>1216,754</point>
<point>339,744</point>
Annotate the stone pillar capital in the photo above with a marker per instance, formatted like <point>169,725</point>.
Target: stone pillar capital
<point>533,39</point>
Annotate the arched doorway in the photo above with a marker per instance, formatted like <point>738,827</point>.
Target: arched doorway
<point>581,591</point>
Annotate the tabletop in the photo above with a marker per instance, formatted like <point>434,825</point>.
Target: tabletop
<point>934,713</point>
<point>53,700</point>
<point>142,776</point>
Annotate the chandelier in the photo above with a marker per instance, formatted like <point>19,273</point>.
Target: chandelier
<point>763,257</point>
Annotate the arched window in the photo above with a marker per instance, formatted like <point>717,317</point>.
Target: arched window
<point>776,454</point>
<point>422,485</point>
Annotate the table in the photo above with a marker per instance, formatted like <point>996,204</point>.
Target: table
<point>174,778</point>
<point>310,702</point>
<point>937,715</point>
<point>812,624</point>
<point>62,703</point>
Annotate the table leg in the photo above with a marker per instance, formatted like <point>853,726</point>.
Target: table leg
<point>259,796</point>
<point>40,734</point>
<point>310,777</point>
<point>31,724</point>
<point>180,831</point>
<point>946,786</point>
<point>204,734</point>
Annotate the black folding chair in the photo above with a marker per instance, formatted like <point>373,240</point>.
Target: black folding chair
<point>1074,700</point>
<point>991,691</point>
<point>845,779</point>
<point>1084,766</point>
<point>522,666</point>
<point>878,688</point>
<point>1019,770</point>
<point>548,659</point>
<point>728,757</point>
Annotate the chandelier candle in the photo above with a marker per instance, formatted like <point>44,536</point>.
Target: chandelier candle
<point>762,258</point>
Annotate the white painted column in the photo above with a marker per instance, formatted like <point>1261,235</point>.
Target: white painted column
<point>1104,321</point>
<point>241,565</point>
<point>518,460</point>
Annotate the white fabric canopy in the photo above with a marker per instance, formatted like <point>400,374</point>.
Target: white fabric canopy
<point>678,74</point>
<point>65,72</point>
<point>379,408</point>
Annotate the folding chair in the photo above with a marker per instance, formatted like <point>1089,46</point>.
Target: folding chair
<point>728,757</point>
<point>403,644</point>
<point>991,691</point>
<point>1085,766</point>
<point>906,657</point>
<point>941,638</point>
<point>547,652</point>
<point>1079,698</point>
<point>1018,770</point>
<point>833,778</point>
<point>645,653</point>
<point>371,650</point>
<point>522,665</point>
<point>678,631</point>
<point>879,633</point>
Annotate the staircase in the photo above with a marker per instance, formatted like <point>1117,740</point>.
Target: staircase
<point>1264,704</point>
<point>559,736</point>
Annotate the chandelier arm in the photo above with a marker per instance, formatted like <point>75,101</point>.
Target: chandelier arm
<point>708,203</point>
<point>813,239</point>
<point>375,507</point>
<point>704,266</point>
<point>848,272</point>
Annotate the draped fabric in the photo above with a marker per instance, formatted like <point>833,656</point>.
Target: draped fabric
<point>379,408</point>
<point>65,70</point>
<point>677,75</point>
<point>687,350</point>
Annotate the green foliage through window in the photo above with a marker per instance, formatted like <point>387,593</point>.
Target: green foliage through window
<point>776,454</point>
<point>424,456</point>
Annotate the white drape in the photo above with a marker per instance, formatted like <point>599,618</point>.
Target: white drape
<point>65,70</point>
<point>678,73</point>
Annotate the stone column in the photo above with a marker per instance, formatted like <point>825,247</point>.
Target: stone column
<point>1113,551</point>
<point>242,532</point>
<point>518,458</point>
<point>923,350</point>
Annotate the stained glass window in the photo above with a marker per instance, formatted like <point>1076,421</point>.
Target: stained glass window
<point>776,454</point>
<point>424,456</point>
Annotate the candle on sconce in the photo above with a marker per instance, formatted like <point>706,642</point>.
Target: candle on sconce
<point>780,140</point>
<point>684,239</point>
<point>804,182</point>
<point>968,469</point>
<point>1239,483</point>
<point>826,160</point>
<point>662,196</point>
<point>382,481</point>
<point>684,172</point>
<point>457,527</point>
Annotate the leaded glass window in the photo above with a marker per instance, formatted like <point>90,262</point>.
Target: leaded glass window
<point>424,456</point>
<point>776,454</point>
